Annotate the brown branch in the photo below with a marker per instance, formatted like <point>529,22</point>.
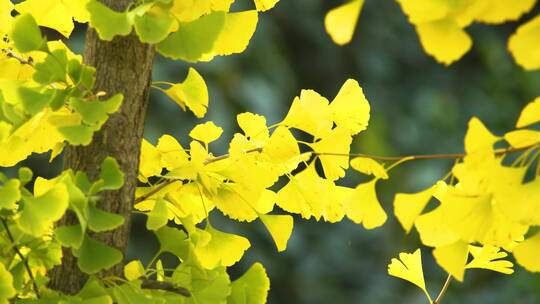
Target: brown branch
<point>443,290</point>
<point>167,286</point>
<point>498,152</point>
<point>22,60</point>
<point>21,256</point>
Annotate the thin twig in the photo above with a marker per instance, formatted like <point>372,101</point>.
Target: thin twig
<point>22,60</point>
<point>443,290</point>
<point>498,152</point>
<point>23,259</point>
<point>167,286</point>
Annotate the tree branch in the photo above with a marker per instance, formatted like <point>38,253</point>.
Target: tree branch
<point>22,60</point>
<point>23,259</point>
<point>167,286</point>
<point>498,152</point>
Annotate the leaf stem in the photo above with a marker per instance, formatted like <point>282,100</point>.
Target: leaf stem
<point>23,259</point>
<point>443,290</point>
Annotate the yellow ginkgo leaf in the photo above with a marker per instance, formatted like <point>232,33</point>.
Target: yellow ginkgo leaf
<point>408,206</point>
<point>206,132</point>
<point>223,249</point>
<point>172,153</point>
<point>409,268</point>
<point>254,127</point>
<point>369,166</point>
<point>310,113</point>
<point>221,5</point>
<point>530,114</point>
<point>5,16</point>
<point>337,141</point>
<point>332,208</point>
<point>282,146</point>
<point>522,138</point>
<point>527,253</point>
<point>77,9</point>
<point>452,258</point>
<point>341,21</point>
<point>187,11</point>
<point>266,202</point>
<point>305,194</point>
<point>133,270</point>
<point>350,108</point>
<point>150,161</point>
<point>421,11</point>
<point>50,13</point>
<point>499,11</point>
<point>524,45</point>
<point>237,201</point>
<point>237,31</point>
<point>191,93</point>
<point>364,207</point>
<point>264,5</point>
<point>280,228</point>
<point>433,230</point>
<point>478,137</point>
<point>491,258</point>
<point>444,40</point>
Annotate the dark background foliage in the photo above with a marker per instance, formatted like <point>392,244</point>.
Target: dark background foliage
<point>418,106</point>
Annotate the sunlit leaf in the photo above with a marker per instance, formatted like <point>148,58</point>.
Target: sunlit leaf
<point>491,258</point>
<point>251,288</point>
<point>341,21</point>
<point>364,206</point>
<point>526,253</point>
<point>192,93</point>
<point>409,268</point>
<point>453,258</point>
<point>280,228</point>
<point>207,132</point>
<point>530,114</point>
<point>369,166</point>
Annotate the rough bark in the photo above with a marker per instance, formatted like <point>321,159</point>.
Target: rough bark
<point>124,66</point>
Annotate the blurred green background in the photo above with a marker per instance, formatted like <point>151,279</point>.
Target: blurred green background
<point>418,106</point>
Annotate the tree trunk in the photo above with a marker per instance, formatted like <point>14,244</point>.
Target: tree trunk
<point>123,65</point>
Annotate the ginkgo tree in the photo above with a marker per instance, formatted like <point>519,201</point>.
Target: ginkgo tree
<point>63,238</point>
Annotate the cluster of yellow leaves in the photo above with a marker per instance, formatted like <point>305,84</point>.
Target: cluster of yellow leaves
<point>23,133</point>
<point>441,26</point>
<point>193,182</point>
<point>487,202</point>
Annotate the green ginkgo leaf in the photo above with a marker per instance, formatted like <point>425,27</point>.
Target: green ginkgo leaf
<point>26,34</point>
<point>70,236</point>
<point>193,39</point>
<point>32,100</point>
<point>111,175</point>
<point>53,68</point>
<point>77,134</point>
<point>39,213</point>
<point>173,240</point>
<point>250,288</point>
<point>10,194</point>
<point>96,112</point>
<point>153,28</point>
<point>107,22</point>
<point>100,220</point>
<point>157,218</point>
<point>6,285</point>
<point>95,256</point>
